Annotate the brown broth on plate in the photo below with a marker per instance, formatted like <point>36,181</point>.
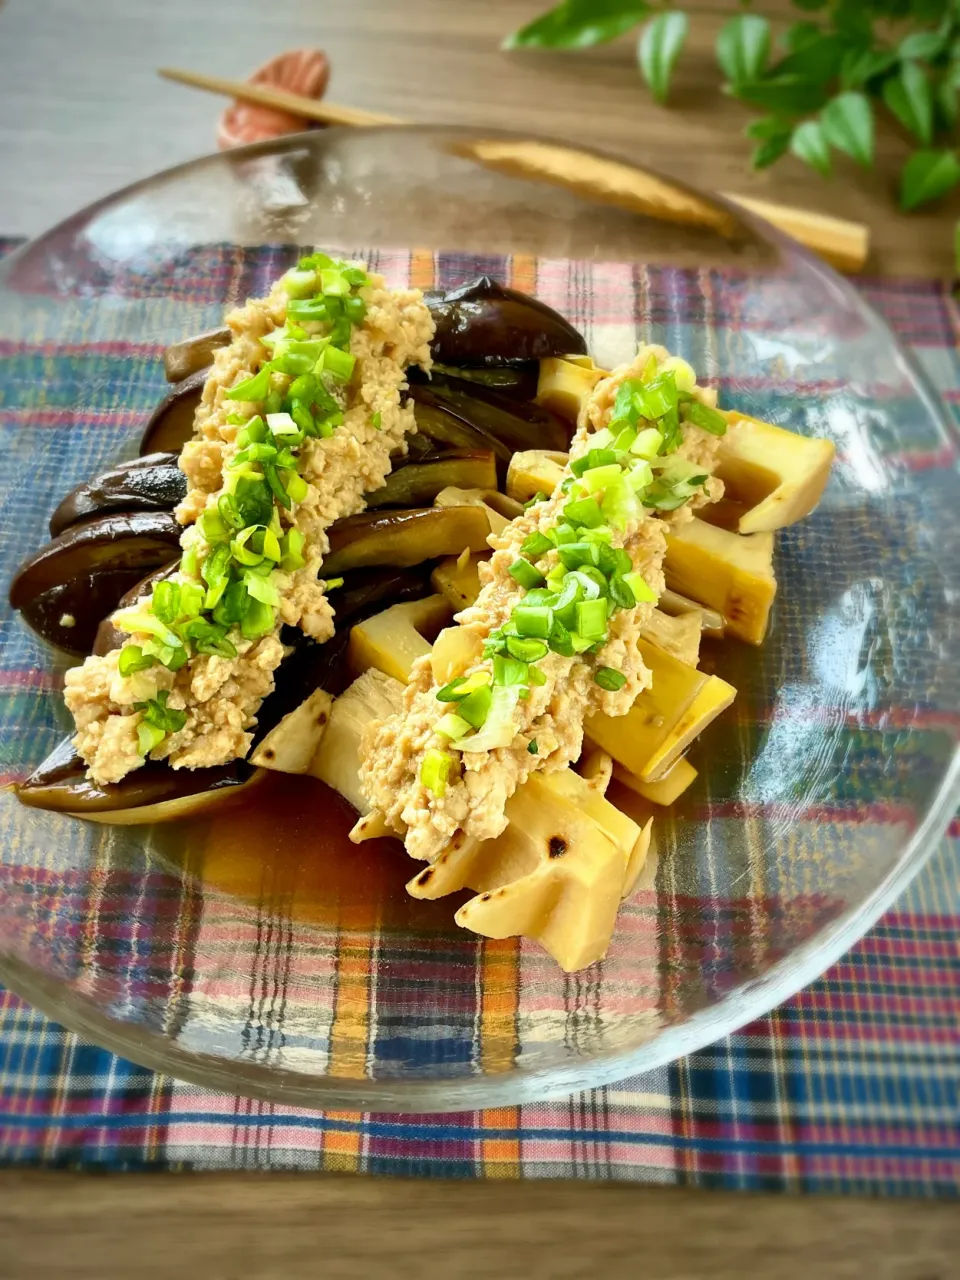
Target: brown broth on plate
<point>286,845</point>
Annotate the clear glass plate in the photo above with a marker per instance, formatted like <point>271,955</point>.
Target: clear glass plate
<point>265,955</point>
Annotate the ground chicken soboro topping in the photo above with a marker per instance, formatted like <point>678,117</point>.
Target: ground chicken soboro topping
<point>214,697</point>
<point>400,756</point>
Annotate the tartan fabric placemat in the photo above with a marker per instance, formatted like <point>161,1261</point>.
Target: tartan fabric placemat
<point>851,1086</point>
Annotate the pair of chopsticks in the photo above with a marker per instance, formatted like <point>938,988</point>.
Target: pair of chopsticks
<point>843,244</point>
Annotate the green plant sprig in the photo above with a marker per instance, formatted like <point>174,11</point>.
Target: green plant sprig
<point>819,92</point>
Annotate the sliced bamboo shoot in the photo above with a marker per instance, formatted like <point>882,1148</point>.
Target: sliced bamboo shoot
<point>667,789</point>
<point>778,475</point>
<point>728,571</point>
<point>373,696</point>
<point>291,745</point>
<point>564,386</point>
<point>534,471</point>
<point>458,579</point>
<point>392,641</point>
<point>664,719</point>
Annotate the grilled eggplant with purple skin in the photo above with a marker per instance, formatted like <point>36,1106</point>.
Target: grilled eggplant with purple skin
<point>515,425</point>
<point>67,587</point>
<point>485,323</point>
<point>170,425</point>
<point>404,538</point>
<point>151,483</point>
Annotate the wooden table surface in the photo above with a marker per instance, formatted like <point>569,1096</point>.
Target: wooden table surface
<point>81,113</point>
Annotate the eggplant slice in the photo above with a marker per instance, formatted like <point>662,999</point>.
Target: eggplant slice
<point>404,538</point>
<point>153,793</point>
<point>516,425</point>
<point>66,588</point>
<point>182,360</point>
<point>485,323</point>
<point>416,484</point>
<point>151,483</point>
<point>170,425</point>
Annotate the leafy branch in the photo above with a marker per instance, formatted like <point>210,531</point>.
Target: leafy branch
<point>819,92</point>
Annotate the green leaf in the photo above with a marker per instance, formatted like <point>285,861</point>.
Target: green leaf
<point>809,145</point>
<point>848,125</point>
<point>817,61</point>
<point>800,34</point>
<point>923,44</point>
<point>768,127</point>
<point>743,46</point>
<point>770,150</point>
<point>910,98</point>
<point>947,103</point>
<point>577,24</point>
<point>927,175</point>
<point>791,95</point>
<point>658,49</point>
<point>861,65</point>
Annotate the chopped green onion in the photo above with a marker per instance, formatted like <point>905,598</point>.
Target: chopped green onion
<point>597,478</point>
<point>535,545</point>
<point>647,444</point>
<point>298,284</point>
<point>452,726</point>
<point>133,659</point>
<point>536,676</point>
<point>255,388</point>
<point>641,592</point>
<point>308,309</point>
<point>339,364</point>
<point>212,526</point>
<point>706,418</point>
<point>584,511</point>
<point>592,619</point>
<point>435,770</point>
<point>609,679</point>
<point>376,420</point>
<point>539,496</point>
<point>331,584</point>
<point>191,599</point>
<point>291,551</point>
<point>166,601</point>
<point>282,424</point>
<point>257,621</point>
<point>232,605</point>
<point>475,706</point>
<point>499,728</point>
<point>262,589</point>
<point>620,593</point>
<point>524,573</point>
<point>295,486</point>
<point>533,620</point>
<point>532,747</point>
<point>333,283</point>
<point>276,488</point>
<point>576,554</point>
<point>508,671</point>
<point>526,650</point>
<point>148,737</point>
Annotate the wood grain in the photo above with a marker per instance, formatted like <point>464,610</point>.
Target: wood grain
<point>73,128</point>
<point>272,1227</point>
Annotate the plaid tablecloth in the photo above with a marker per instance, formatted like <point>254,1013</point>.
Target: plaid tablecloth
<point>854,1085</point>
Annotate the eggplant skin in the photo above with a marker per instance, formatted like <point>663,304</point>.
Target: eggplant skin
<point>182,360</point>
<point>170,425</point>
<point>84,571</point>
<point>151,483</point>
<point>485,323</point>
<point>414,484</point>
<point>60,784</point>
<point>484,415</point>
<point>404,538</point>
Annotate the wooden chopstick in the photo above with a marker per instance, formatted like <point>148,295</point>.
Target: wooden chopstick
<point>844,244</point>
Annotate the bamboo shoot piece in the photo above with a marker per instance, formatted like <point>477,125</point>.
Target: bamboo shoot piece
<point>665,718</point>
<point>730,572</point>
<point>373,696</point>
<point>667,790</point>
<point>392,641</point>
<point>534,471</point>
<point>779,476</point>
<point>291,745</point>
<point>565,384</point>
